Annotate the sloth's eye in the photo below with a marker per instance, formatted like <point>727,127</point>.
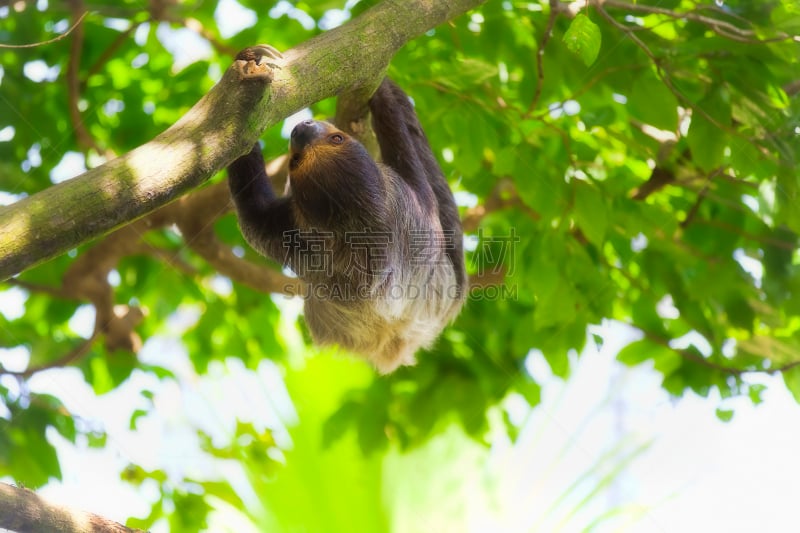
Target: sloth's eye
<point>336,138</point>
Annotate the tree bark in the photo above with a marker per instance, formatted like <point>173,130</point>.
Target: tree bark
<point>26,512</point>
<point>223,125</point>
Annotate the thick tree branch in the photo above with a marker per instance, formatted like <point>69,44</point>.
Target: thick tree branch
<point>23,510</point>
<point>198,233</point>
<point>352,114</point>
<point>223,125</point>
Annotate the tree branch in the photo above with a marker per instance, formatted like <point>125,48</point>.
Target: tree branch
<point>548,32</point>
<point>77,353</point>
<point>352,114</point>
<point>24,510</point>
<point>198,233</point>
<point>83,137</point>
<point>223,125</point>
<point>689,355</point>
<point>717,25</point>
<point>49,41</point>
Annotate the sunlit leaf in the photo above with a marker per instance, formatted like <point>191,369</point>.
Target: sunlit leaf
<point>583,39</point>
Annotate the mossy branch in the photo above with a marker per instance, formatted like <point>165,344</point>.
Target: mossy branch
<point>23,510</point>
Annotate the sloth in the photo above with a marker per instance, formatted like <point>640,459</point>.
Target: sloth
<point>378,243</point>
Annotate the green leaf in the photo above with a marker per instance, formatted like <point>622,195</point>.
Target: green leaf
<point>707,140</point>
<point>651,102</point>
<point>556,305</point>
<point>97,439</point>
<point>583,39</point>
<point>530,390</point>
<point>56,415</point>
<point>726,415</point>
<point>635,353</point>
<point>135,416</point>
<point>558,361</point>
<point>471,72</point>
<point>590,212</point>
<point>99,375</point>
<point>666,360</point>
<point>191,512</point>
<point>539,179</point>
<point>223,491</point>
<point>755,391</point>
<point>779,350</point>
<point>337,425</point>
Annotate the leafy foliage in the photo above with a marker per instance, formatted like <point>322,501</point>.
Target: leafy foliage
<point>636,162</point>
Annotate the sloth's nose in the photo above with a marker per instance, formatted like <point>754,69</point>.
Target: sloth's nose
<point>304,133</point>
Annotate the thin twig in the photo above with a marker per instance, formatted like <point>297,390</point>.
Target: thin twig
<point>721,27</point>
<point>73,88</point>
<point>700,197</point>
<point>777,243</point>
<point>55,292</point>
<point>699,359</point>
<point>548,32</point>
<point>53,40</point>
<point>171,258</point>
<point>70,357</point>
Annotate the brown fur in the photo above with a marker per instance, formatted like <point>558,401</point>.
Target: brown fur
<point>389,284</point>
